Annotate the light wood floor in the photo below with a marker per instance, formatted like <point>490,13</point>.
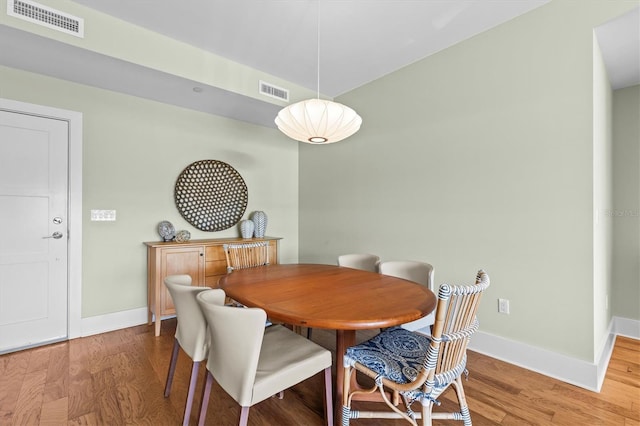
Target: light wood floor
<point>118,378</point>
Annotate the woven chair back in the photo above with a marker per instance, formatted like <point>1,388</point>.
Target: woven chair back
<point>246,255</point>
<point>455,323</point>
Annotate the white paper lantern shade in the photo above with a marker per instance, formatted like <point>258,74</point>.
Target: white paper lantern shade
<point>318,121</point>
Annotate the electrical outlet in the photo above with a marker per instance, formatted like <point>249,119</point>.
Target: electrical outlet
<point>503,306</point>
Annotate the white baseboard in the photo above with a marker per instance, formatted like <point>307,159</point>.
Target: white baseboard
<point>114,321</point>
<point>562,367</point>
<point>626,327</point>
<point>578,372</point>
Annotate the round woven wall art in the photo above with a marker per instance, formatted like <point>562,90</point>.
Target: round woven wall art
<point>211,195</point>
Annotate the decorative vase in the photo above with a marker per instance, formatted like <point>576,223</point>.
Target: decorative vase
<point>259,219</point>
<point>183,236</point>
<point>246,228</point>
<point>166,230</point>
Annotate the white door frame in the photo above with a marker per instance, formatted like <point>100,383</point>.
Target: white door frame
<point>74,306</point>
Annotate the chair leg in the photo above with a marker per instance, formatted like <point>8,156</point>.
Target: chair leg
<point>192,390</point>
<point>427,408</point>
<point>464,408</point>
<point>244,416</point>
<point>206,392</point>
<point>172,368</point>
<point>346,408</point>
<point>328,397</point>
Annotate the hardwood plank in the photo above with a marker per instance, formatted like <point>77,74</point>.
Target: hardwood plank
<point>56,386</point>
<point>29,404</point>
<point>81,397</point>
<point>104,389</point>
<point>583,410</point>
<point>489,411</point>
<point>513,420</point>
<point>515,405</point>
<point>629,422</point>
<point>13,368</point>
<point>55,413</point>
<point>624,342</point>
<point>85,420</point>
<point>620,393</point>
<point>39,359</point>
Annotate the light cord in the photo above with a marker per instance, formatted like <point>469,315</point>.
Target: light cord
<point>318,57</point>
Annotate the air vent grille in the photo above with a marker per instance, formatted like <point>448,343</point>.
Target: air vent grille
<point>274,91</point>
<point>46,16</point>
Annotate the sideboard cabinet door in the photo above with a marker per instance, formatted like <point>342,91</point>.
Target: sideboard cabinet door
<point>177,261</point>
<point>168,260</point>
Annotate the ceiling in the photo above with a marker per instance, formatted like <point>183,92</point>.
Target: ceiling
<point>619,41</point>
<point>359,41</point>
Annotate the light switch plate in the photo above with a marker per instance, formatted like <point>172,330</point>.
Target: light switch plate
<point>103,215</point>
<point>503,306</point>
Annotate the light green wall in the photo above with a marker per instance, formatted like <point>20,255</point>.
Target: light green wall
<point>479,156</point>
<point>602,199</point>
<point>133,152</point>
<point>625,301</point>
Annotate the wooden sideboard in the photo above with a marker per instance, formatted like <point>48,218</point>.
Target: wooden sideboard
<point>203,260</point>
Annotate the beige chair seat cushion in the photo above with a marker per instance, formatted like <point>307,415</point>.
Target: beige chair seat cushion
<point>286,358</point>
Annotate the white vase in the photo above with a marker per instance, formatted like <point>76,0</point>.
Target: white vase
<point>259,219</point>
<point>246,228</point>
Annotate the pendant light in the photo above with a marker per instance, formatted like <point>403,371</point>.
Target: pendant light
<point>318,121</point>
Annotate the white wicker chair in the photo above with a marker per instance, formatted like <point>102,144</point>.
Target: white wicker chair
<point>416,368</point>
<point>246,255</point>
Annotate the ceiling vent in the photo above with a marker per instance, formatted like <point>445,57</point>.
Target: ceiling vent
<point>46,16</point>
<point>274,91</point>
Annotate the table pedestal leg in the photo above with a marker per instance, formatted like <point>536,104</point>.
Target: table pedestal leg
<point>344,339</point>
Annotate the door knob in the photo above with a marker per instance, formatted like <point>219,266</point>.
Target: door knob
<point>56,235</point>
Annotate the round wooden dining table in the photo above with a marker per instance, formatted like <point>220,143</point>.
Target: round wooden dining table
<point>330,297</point>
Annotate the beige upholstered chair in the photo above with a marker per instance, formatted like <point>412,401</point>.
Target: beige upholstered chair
<point>366,262</point>
<point>246,255</point>
<point>191,334</point>
<point>417,368</point>
<point>419,272</point>
<point>251,362</point>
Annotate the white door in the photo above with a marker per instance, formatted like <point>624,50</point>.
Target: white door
<point>33,224</point>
